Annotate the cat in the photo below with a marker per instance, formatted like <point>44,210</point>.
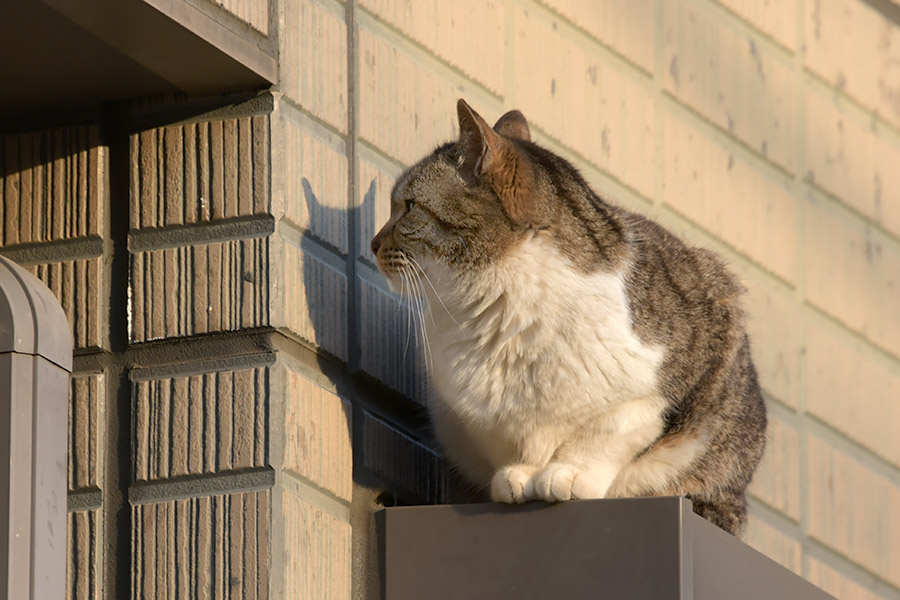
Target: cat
<point>577,350</point>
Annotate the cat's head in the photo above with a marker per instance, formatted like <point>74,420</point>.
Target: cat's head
<point>468,202</point>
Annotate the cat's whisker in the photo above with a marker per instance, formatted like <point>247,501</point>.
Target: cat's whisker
<point>418,300</point>
<point>403,286</point>
<point>434,289</point>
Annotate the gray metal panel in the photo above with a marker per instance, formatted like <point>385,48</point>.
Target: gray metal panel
<point>597,548</point>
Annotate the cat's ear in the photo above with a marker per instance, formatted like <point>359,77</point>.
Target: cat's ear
<point>485,154</point>
<point>513,125</point>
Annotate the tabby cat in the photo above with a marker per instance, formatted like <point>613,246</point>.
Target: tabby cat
<point>577,350</point>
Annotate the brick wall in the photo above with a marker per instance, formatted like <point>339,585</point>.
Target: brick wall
<point>245,391</point>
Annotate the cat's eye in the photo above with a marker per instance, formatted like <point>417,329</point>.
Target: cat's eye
<point>410,204</point>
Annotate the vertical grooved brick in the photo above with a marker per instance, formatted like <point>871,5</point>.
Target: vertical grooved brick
<point>778,20</point>
<point>777,481</point>
<point>80,287</point>
<point>84,564</point>
<point>373,204</point>
<point>836,583</point>
<point>87,425</point>
<point>254,12</point>
<point>773,543</point>
<point>318,552</point>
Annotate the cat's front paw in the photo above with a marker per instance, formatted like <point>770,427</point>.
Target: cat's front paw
<point>513,484</point>
<point>554,484</point>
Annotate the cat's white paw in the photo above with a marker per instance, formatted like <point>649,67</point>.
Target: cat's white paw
<point>554,484</point>
<point>513,484</point>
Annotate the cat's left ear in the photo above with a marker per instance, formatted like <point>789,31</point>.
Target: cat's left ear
<point>485,154</point>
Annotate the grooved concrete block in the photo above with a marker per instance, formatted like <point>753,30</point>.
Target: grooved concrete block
<point>856,47</point>
<point>196,424</point>
<point>313,63</point>
<point>318,431</point>
<point>254,12</point>
<point>836,583</point>
<point>375,205</point>
<point>778,20</point>
<point>623,25</point>
<point>82,289</point>
<point>200,172</point>
<point>222,286</point>
<point>84,565</point>
<point>318,552</point>
<point>853,391</point>
<point>730,79</point>
<point>852,161</point>
<point>784,550</point>
<point>601,111</point>
<point>316,181</point>
<point>853,509</point>
<point>730,197</point>
<point>53,185</point>
<point>204,548</point>
<point>852,273</point>
<point>390,340</point>
<point>777,481</point>
<point>468,34</point>
<point>87,430</point>
<point>405,110</point>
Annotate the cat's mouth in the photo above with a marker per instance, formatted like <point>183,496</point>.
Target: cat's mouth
<point>401,270</point>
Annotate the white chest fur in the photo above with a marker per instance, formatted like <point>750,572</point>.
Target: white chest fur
<point>534,351</point>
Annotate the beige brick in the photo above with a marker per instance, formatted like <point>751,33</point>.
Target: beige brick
<point>317,551</point>
<point>53,185</point>
<point>199,424</point>
<point>781,548</point>
<point>856,48</point>
<point>84,560</point>
<point>778,19</point>
<point>604,113</point>
<point>731,198</point>
<point>199,172</point>
<point>316,197</point>
<point>317,429</point>
<point>315,298</point>
<point>375,205</point>
<point>852,161</point>
<point>405,109</point>
<point>836,583</point>
<point>854,510</point>
<point>853,392</point>
<point>730,78</point>
<point>87,428</point>
<point>314,60</point>
<point>210,547</point>
<point>775,338</point>
<point>191,290</point>
<point>623,25</point>
<point>254,12</point>
<point>468,34</point>
<point>853,273</point>
<point>777,481</point>
<point>81,288</point>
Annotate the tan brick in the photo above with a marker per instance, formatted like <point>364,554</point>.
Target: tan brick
<point>375,205</point>
<point>778,20</point>
<point>199,424</point>
<point>84,560</point>
<point>623,25</point>
<point>405,109</point>
<point>730,78</point>
<point>53,185</point>
<point>836,583</point>
<point>190,290</point>
<point>316,197</point>
<point>317,552</point>
<point>853,273</point>
<point>81,288</point>
<point>468,34</point>
<point>856,48</point>
<point>731,198</point>
<point>604,113</point>
<point>199,172</point>
<point>781,548</point>
<point>314,60</point>
<point>852,161</point>
<point>210,547</point>
<point>314,305</point>
<point>317,430</point>
<point>854,510</point>
<point>853,392</point>
<point>87,427</point>
<point>254,12</point>
<point>777,481</point>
